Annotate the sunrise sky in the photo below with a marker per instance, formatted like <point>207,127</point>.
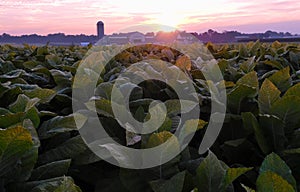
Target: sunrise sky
<point>19,17</point>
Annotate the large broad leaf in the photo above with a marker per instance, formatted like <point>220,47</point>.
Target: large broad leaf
<point>61,78</point>
<point>267,95</point>
<point>295,90</point>
<point>175,184</point>
<point>11,119</point>
<point>103,107</point>
<point>45,95</point>
<point>68,150</point>
<point>275,164</point>
<point>273,128</point>
<point>250,123</point>
<point>14,143</point>
<point>171,144</point>
<point>27,106</point>
<point>247,86</point>
<point>23,104</point>
<point>11,75</point>
<point>272,182</point>
<point>282,79</point>
<point>22,171</point>
<point>249,65</point>
<point>175,107</point>
<point>158,139</point>
<point>60,124</point>
<point>231,175</point>
<point>104,90</point>
<point>210,174</point>
<point>51,170</point>
<point>288,110</point>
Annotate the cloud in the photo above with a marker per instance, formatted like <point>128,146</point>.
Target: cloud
<point>80,16</point>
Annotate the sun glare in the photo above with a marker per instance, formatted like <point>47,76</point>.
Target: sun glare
<point>169,21</point>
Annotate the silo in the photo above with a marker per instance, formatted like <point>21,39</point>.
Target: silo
<point>100,29</point>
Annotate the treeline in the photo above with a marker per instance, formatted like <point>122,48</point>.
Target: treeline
<point>209,36</point>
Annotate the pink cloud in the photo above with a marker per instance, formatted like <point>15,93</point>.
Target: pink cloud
<point>80,16</point>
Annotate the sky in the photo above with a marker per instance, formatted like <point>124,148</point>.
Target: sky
<point>18,17</point>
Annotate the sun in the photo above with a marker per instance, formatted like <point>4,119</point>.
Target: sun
<point>169,21</point>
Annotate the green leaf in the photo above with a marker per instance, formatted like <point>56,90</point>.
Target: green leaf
<point>61,78</point>
<point>273,128</point>
<point>175,184</point>
<point>231,175</point>
<point>282,79</point>
<point>23,104</point>
<point>250,123</point>
<point>26,105</point>
<point>274,64</point>
<point>30,64</point>
<point>22,171</point>
<point>59,184</point>
<point>67,186</point>
<point>14,142</point>
<point>175,106</point>
<point>271,182</point>
<point>267,95</point>
<point>295,91</point>
<point>158,138</point>
<point>247,86</point>
<point>209,174</point>
<point>276,165</point>
<point>288,110</point>
<point>9,119</point>
<point>51,170</point>
<point>103,107</point>
<point>172,144</point>
<point>45,95</point>
<point>42,50</point>
<point>248,65</point>
<point>190,128</point>
<point>67,150</point>
<point>53,60</point>
<point>104,90</point>
<point>60,124</point>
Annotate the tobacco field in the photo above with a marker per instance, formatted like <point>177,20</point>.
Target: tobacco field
<point>258,148</point>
